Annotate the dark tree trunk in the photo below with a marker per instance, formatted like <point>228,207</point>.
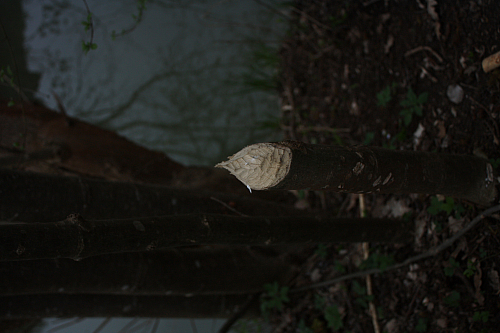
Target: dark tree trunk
<point>293,165</point>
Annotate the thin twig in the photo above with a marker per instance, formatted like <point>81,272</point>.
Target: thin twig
<point>238,314</point>
<point>422,48</point>
<point>102,325</point>
<point>228,207</point>
<point>368,278</point>
<point>23,96</point>
<point>432,252</point>
<point>91,25</point>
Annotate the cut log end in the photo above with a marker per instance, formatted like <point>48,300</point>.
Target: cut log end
<point>259,166</point>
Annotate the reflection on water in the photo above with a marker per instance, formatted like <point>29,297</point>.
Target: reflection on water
<point>175,83</point>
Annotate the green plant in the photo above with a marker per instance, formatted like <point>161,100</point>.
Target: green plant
<point>362,297</point>
<point>321,251</point>
<point>272,122</point>
<point>88,24</point>
<point>87,46</point>
<point>482,253</point>
<point>247,326</point>
<point>452,265</point>
<point>273,298</point>
<point>400,137</point>
<point>385,95</point>
<point>448,205</point>
<point>495,162</point>
<point>453,299</point>
<point>6,74</point>
<point>369,136</point>
<point>303,328</point>
<point>421,325</point>
<point>333,317</point>
<point>471,269</point>
<point>141,7</point>
<point>377,260</point>
<point>481,316</point>
<point>260,74</point>
<point>412,105</point>
<point>339,267</point>
<point>319,302</point>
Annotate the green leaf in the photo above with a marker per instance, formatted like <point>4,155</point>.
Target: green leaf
<point>423,98</point>
<point>11,103</point>
<point>450,270</point>
<point>333,318</point>
<point>481,316</point>
<point>453,299</point>
<point>369,136</point>
<point>421,326</point>
<point>358,289</point>
<point>319,302</point>
<point>384,97</point>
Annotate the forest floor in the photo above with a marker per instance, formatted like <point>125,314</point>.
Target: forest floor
<point>402,75</point>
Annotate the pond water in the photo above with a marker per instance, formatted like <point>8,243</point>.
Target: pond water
<point>187,79</point>
<point>190,79</point>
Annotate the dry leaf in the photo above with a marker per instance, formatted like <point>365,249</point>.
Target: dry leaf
<point>431,4</point>
<point>455,225</point>
<point>494,280</point>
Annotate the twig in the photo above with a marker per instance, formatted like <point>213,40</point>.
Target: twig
<point>234,318</point>
<point>228,207</point>
<point>16,72</point>
<point>432,252</point>
<point>10,82</point>
<point>422,48</point>
<point>366,254</point>
<point>91,24</point>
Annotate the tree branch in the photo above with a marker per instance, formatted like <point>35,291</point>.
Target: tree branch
<point>430,253</point>
<point>291,165</point>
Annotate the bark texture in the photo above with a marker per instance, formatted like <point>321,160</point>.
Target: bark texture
<point>77,238</point>
<point>37,197</point>
<point>193,271</point>
<point>363,170</point>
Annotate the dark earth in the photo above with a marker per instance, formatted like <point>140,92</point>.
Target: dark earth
<point>378,73</point>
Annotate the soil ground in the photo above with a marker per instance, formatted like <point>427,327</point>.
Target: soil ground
<point>349,70</point>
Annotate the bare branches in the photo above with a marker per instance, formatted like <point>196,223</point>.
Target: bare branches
<point>430,253</point>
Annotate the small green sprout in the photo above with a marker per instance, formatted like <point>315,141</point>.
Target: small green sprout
<point>273,298</point>
<point>369,136</point>
<point>362,297</point>
<point>321,251</point>
<point>421,325</point>
<point>385,95</point>
<point>450,270</point>
<point>377,260</point>
<point>453,299</point>
<point>448,206</point>
<point>412,105</point>
<point>481,316</point>
<point>471,269</point>
<point>333,317</point>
